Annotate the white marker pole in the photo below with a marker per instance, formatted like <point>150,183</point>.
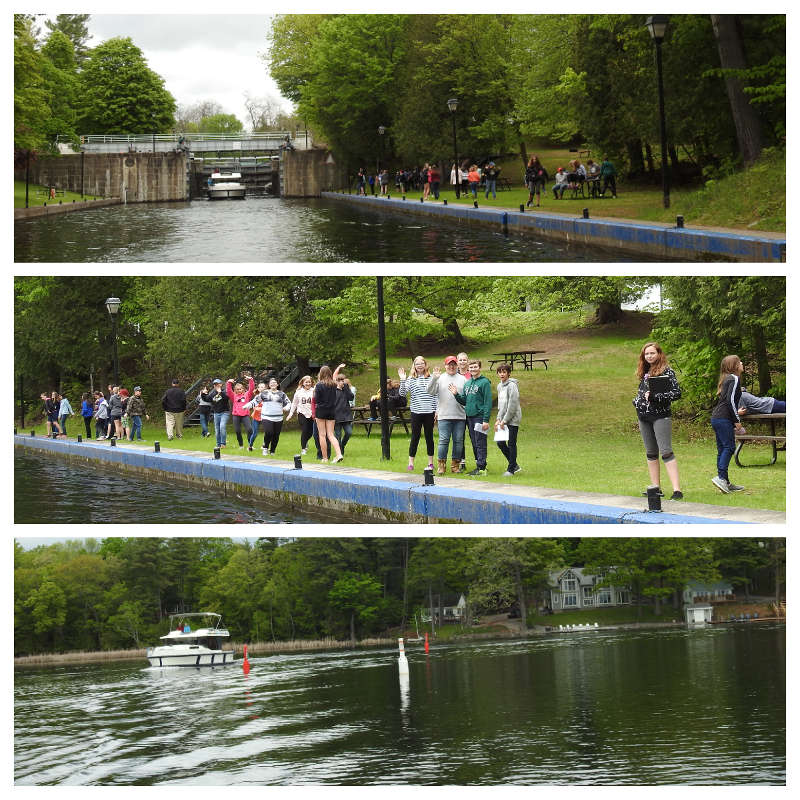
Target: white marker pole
<point>402,661</point>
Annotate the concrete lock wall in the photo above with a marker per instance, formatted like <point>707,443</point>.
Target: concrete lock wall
<point>308,173</point>
<point>132,177</point>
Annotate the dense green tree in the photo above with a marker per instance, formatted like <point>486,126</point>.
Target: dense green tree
<point>120,94</point>
<point>59,73</point>
<point>358,596</point>
<point>74,27</point>
<point>740,560</point>
<point>216,123</point>
<point>31,109</point>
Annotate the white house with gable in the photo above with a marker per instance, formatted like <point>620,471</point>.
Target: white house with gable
<point>572,589</point>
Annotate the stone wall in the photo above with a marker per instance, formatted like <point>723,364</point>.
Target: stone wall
<point>132,177</point>
<point>308,173</point>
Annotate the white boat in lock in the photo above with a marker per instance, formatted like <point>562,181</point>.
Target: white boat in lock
<point>194,640</point>
<point>226,186</point>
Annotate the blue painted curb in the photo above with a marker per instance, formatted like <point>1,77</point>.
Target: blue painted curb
<point>651,239</point>
<point>387,499</point>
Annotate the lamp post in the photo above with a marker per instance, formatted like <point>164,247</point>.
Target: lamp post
<point>384,399</point>
<point>381,131</point>
<point>113,304</point>
<point>657,25</point>
<point>452,104</point>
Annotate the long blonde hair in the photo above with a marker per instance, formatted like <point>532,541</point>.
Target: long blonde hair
<point>427,372</point>
<point>728,366</point>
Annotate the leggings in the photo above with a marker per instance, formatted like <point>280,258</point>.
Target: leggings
<point>272,432</point>
<point>657,436</point>
<point>238,424</point>
<point>418,422</point>
<point>87,421</point>
<point>306,430</point>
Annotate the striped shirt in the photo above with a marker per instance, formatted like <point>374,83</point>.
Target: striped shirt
<point>417,389</point>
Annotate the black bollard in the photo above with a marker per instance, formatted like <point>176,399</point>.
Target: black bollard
<point>428,473</point>
<point>654,495</point>
<point>679,221</point>
<point>113,441</point>
<point>156,447</point>
<point>404,197</point>
<point>586,213</point>
<point>33,433</point>
<point>216,453</point>
<point>474,203</point>
<point>422,199</point>
<point>298,462</point>
<point>80,438</point>
<point>15,431</point>
<point>445,202</point>
<point>521,208</point>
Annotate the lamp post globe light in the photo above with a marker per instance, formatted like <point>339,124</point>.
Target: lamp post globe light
<point>657,25</point>
<point>112,305</point>
<point>452,104</point>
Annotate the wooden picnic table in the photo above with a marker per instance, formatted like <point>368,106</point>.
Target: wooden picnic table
<point>396,417</point>
<point>524,357</point>
<point>773,438</point>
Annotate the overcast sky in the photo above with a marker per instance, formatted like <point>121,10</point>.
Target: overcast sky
<point>199,56</point>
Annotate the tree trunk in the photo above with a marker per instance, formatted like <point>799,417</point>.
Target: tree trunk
<point>452,331</point>
<point>731,56</point>
<point>608,312</point>
<point>634,148</point>
<point>353,627</point>
<point>648,157</point>
<point>523,151</point>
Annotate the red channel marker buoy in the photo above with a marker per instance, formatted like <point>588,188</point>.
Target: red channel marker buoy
<point>427,648</point>
<point>245,663</point>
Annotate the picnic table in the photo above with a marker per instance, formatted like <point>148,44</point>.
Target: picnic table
<point>772,437</point>
<point>361,416</point>
<point>524,357</point>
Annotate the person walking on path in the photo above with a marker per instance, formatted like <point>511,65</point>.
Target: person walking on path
<point>87,412</point>
<point>301,405</point>
<point>325,411</point>
<point>653,409</point>
<point>239,399</point>
<point>476,397</point>
<point>450,415</point>
<point>509,415</point>
<point>422,406</point>
<point>174,405</point>
<point>136,410</point>
<point>725,420</point>
<point>221,408</point>
<point>64,411</point>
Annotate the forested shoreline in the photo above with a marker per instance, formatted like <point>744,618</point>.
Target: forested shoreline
<point>116,593</point>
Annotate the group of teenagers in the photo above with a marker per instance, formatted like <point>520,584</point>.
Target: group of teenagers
<point>536,177</point>
<point>653,409</point>
<point>119,415</point>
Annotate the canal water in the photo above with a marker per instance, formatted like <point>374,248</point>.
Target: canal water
<point>49,489</point>
<point>274,230</point>
<point>659,706</point>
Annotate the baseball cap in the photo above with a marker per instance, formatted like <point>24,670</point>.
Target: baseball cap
<point>216,380</point>
<point>451,360</point>
<point>137,388</point>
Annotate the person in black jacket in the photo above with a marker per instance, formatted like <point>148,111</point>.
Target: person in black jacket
<point>654,412</point>
<point>725,420</point>
<point>220,404</point>
<point>535,177</point>
<point>174,404</point>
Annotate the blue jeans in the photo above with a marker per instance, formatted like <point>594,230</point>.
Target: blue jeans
<point>491,186</point>
<point>343,431</point>
<point>478,442</point>
<point>204,422</point>
<point>62,422</point>
<point>255,426</point>
<point>451,429</point>
<point>221,426</point>
<point>136,427</point>
<point>726,444</point>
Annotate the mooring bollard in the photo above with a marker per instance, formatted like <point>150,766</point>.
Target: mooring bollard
<point>475,203</point>
<point>33,433</point>
<point>521,208</point>
<point>586,213</point>
<point>428,473</point>
<point>422,199</point>
<point>679,221</point>
<point>653,494</point>
<point>113,441</point>
<point>298,462</point>
<point>80,439</point>
<point>216,453</point>
<point>15,431</point>
<point>445,202</point>
<point>156,447</point>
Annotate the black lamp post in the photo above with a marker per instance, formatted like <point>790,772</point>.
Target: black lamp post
<point>381,131</point>
<point>384,400</point>
<point>113,304</point>
<point>657,25</point>
<point>452,104</point>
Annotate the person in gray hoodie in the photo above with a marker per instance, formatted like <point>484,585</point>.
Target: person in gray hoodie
<point>450,414</point>
<point>509,415</point>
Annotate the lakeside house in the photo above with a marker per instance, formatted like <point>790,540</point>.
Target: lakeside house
<point>572,589</point>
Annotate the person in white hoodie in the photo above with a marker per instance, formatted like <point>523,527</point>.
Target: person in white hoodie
<point>509,415</point>
<point>450,414</point>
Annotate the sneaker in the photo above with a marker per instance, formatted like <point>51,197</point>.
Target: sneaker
<point>477,471</point>
<point>721,484</point>
<point>734,487</point>
<point>462,467</point>
<point>516,469</point>
<point>677,495</point>
<point>250,448</point>
<point>508,474</point>
<point>264,451</point>
<point>303,451</point>
<point>337,459</point>
<point>410,468</point>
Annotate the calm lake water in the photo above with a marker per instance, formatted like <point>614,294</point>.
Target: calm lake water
<point>49,489</point>
<point>667,706</point>
<point>272,230</point>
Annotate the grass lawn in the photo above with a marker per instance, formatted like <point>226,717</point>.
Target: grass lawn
<point>621,615</point>
<point>738,201</point>
<point>39,195</point>
<point>579,430</point>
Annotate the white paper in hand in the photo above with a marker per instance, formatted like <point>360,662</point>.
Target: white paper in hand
<point>479,428</point>
<point>501,435</point>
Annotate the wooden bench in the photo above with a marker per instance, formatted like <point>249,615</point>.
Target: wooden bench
<point>773,438</point>
<point>368,423</point>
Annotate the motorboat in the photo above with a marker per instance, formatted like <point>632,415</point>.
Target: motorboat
<point>225,186</point>
<point>194,640</point>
